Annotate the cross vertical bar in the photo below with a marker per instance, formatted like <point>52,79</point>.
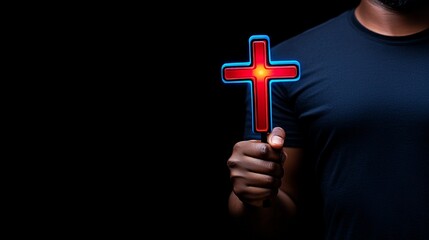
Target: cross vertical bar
<point>260,72</point>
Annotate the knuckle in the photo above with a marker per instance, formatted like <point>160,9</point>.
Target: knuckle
<point>263,149</point>
<point>232,162</point>
<point>237,146</point>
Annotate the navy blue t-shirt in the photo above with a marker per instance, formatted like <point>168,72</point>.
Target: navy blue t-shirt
<point>361,110</point>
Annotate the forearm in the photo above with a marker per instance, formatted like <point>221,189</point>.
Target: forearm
<point>264,221</point>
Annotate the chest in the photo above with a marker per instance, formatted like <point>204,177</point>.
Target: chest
<point>365,96</point>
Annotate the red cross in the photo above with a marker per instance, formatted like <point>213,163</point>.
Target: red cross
<point>260,72</point>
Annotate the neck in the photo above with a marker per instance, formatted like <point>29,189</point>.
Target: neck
<point>385,21</point>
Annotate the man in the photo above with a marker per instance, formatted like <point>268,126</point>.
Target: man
<point>357,122</point>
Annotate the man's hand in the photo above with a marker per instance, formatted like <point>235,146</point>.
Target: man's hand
<point>256,168</point>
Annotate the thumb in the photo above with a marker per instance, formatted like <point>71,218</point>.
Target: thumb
<point>276,138</point>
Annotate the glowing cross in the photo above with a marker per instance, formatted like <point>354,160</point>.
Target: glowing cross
<point>260,72</point>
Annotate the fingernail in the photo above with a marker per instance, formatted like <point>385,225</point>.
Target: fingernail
<point>277,140</point>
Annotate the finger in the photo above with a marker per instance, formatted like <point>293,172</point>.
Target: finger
<point>256,150</point>
<point>262,181</point>
<point>264,167</point>
<point>255,194</point>
<point>254,165</point>
<point>276,138</point>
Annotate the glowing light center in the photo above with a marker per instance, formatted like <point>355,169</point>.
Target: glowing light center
<point>261,72</point>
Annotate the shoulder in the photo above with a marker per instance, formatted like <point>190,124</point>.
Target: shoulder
<point>321,35</point>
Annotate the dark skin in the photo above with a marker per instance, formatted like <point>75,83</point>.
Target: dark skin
<point>260,171</point>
